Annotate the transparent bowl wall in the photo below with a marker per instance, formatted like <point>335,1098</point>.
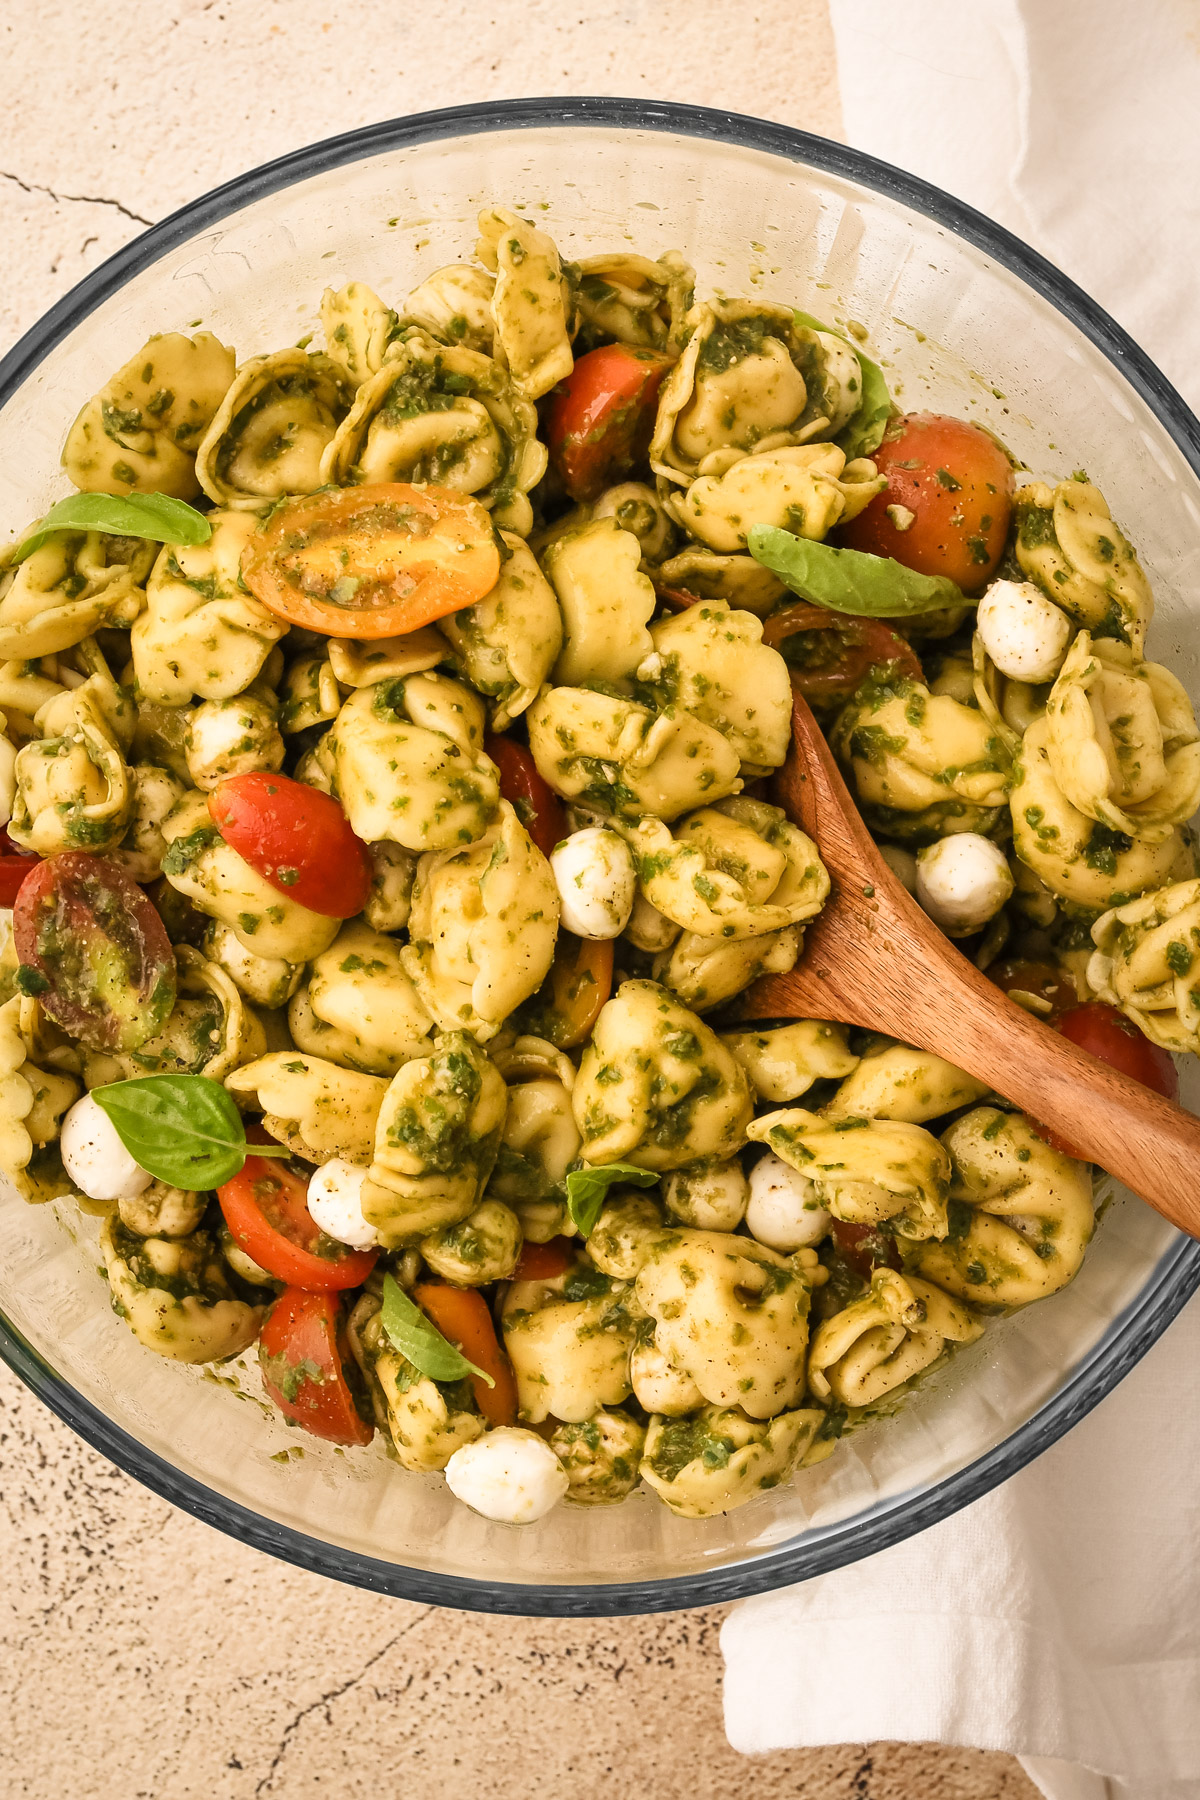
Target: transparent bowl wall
<point>760,211</point>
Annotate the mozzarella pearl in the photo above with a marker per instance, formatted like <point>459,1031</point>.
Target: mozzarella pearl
<point>95,1158</point>
<point>232,737</point>
<point>784,1211</point>
<point>510,1475</point>
<point>594,873</point>
<point>962,882</point>
<point>1023,632</point>
<point>335,1204</point>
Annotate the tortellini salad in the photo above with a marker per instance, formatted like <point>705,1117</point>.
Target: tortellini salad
<point>415,801</point>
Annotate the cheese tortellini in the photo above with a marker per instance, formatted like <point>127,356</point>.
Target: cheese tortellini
<point>738,869</point>
<point>1068,542</point>
<point>656,1087</point>
<point>408,763</point>
<point>623,759</point>
<point>922,764</point>
<point>141,432</point>
<point>865,1171</point>
<point>878,1343</point>
<point>1147,962</point>
<point>712,660</point>
<point>1027,1213</point>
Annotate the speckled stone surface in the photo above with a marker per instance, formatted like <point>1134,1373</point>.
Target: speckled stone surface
<point>146,1657</point>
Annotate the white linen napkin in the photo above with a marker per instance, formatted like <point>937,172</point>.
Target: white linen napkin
<point>1059,1617</point>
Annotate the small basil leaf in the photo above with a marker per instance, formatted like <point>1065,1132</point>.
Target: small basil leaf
<point>416,1337</point>
<point>155,516</point>
<point>864,432</point>
<point>184,1129</point>
<point>587,1190</point>
<point>850,581</point>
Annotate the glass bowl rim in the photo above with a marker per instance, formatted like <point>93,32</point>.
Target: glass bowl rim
<point>1177,1275</point>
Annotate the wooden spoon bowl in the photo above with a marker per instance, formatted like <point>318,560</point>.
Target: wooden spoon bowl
<point>874,958</point>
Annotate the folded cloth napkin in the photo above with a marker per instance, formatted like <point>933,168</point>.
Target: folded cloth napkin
<point>1059,1617</point>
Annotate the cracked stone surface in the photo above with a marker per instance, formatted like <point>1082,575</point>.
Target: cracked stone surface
<point>147,1657</point>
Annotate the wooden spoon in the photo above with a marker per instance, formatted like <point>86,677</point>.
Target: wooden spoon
<point>874,959</point>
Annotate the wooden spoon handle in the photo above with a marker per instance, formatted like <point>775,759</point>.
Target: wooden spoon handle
<point>1147,1142</point>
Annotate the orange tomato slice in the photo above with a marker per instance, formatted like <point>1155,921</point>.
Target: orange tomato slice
<point>372,561</point>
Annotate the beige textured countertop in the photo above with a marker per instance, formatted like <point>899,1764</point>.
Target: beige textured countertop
<point>145,1656</point>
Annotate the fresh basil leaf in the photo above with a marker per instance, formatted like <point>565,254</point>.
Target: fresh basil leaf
<point>587,1190</point>
<point>184,1129</point>
<point>155,516</point>
<point>865,430</point>
<point>416,1337</point>
<point>850,581</point>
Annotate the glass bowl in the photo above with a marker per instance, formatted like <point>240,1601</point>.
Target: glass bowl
<point>965,318</point>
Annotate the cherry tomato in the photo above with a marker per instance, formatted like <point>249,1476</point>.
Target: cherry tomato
<point>463,1317</point>
<point>957,483</point>
<point>537,805</point>
<point>830,653</point>
<point>1041,979</point>
<point>602,416</point>
<point>296,838</point>
<point>95,951</point>
<point>545,1262</point>
<point>267,1215</point>
<point>373,561</point>
<point>15,865</point>
<point>865,1247</point>
<point>305,1364</point>
<point>568,1003</point>
<point>677,598</point>
<point>1105,1033</point>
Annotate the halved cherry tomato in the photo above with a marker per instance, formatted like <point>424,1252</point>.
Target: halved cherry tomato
<point>372,561</point>
<point>304,1363</point>
<point>462,1315</point>
<point>865,1247</point>
<point>296,838</point>
<point>830,653</point>
<point>568,1003</point>
<point>1105,1033</point>
<point>84,929</point>
<point>1017,974</point>
<point>677,598</point>
<point>15,865</point>
<point>267,1215</point>
<point>537,805</point>
<point>545,1262</point>
<point>958,485</point>
<point>602,416</point>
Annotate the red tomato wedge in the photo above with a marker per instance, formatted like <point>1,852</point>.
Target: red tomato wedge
<point>463,1317</point>
<point>546,1262</point>
<point>602,416</point>
<point>15,865</point>
<point>373,561</point>
<point>267,1215</point>
<point>296,838</point>
<point>304,1365</point>
<point>94,950</point>
<point>537,805</point>
<point>829,653</point>
<point>1105,1033</point>
<point>956,483</point>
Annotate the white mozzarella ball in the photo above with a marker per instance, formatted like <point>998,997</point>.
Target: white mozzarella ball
<point>962,882</point>
<point>1023,632</point>
<point>232,737</point>
<point>596,881</point>
<point>902,863</point>
<point>784,1210</point>
<point>335,1204</point>
<point>510,1475</point>
<point>94,1156</point>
